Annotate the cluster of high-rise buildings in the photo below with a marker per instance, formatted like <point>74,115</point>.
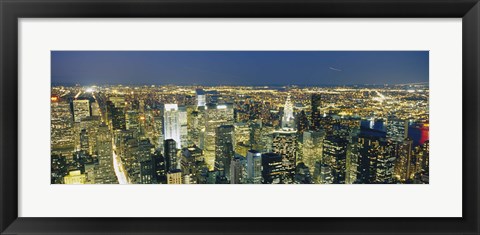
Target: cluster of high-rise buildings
<point>239,135</point>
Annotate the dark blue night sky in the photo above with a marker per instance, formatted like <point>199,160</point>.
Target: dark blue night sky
<point>239,67</point>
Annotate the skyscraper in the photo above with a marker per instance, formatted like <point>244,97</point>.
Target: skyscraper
<point>404,164</point>
<point>182,119</point>
<point>201,97</point>
<point>224,151</point>
<point>353,155</point>
<point>61,128</point>
<point>132,120</point>
<point>397,129</point>
<point>326,174</point>
<point>95,109</point>
<point>216,115</point>
<point>116,115</point>
<point>285,144</point>
<point>254,167</point>
<point>105,173</point>
<point>86,133</point>
<point>170,154</point>
<point>152,170</point>
<point>302,122</point>
<point>81,109</point>
<point>237,170</point>
<point>375,160</point>
<point>311,148</point>
<point>334,156</point>
<point>273,170</point>
<point>172,125</point>
<point>288,120</point>
<point>189,166</point>
<point>242,138</point>
<point>157,132</point>
<point>316,112</point>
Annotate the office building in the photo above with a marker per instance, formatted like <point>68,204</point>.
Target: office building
<point>224,151</point>
<point>254,167</point>
<point>170,154</point>
<point>216,115</point>
<point>316,111</point>
<point>201,97</point>
<point>81,109</point>
<point>172,125</point>
<point>273,170</point>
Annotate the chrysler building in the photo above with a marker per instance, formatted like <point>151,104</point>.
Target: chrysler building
<point>288,120</point>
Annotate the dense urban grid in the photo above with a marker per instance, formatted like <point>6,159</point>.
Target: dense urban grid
<point>114,134</point>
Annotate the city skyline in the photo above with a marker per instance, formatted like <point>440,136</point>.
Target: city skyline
<point>243,68</point>
<point>238,134</point>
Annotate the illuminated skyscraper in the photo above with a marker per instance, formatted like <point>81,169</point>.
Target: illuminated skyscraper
<point>237,170</point>
<point>147,169</point>
<point>311,148</point>
<point>326,174</point>
<point>334,156</point>
<point>137,152</point>
<point>375,160</point>
<point>132,120</point>
<point>172,125</point>
<point>116,115</point>
<point>224,150</point>
<point>61,128</point>
<point>397,129</point>
<point>404,164</point>
<point>384,173</point>
<point>302,174</point>
<point>216,115</point>
<point>95,109</point>
<point>81,109</point>
<point>105,173</point>
<point>201,97</point>
<point>118,101</point>
<point>353,154</point>
<point>157,132</point>
<point>182,119</point>
<point>196,125</point>
<point>189,166</point>
<point>273,170</point>
<point>170,154</point>
<point>316,112</point>
<point>242,138</point>
<point>83,141</point>
<point>285,144</point>
<point>86,133</point>
<point>254,167</point>
<point>152,170</point>
<point>288,120</point>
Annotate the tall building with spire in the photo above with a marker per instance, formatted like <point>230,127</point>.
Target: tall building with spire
<point>288,120</point>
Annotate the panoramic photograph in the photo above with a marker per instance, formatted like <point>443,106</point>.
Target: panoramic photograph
<point>239,117</point>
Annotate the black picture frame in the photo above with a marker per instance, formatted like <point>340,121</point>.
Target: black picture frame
<point>12,10</point>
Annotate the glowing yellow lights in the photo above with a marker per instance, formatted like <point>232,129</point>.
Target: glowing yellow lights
<point>54,98</point>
